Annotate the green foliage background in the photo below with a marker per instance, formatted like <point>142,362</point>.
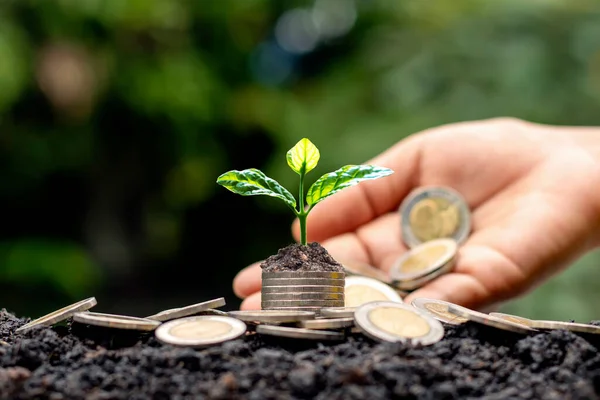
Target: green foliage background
<point>116,117</point>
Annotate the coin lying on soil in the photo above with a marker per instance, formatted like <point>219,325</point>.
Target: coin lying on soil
<point>60,315</point>
<point>299,333</point>
<point>115,321</point>
<point>433,212</point>
<point>397,322</point>
<point>489,320</point>
<point>361,289</point>
<point>514,318</point>
<point>186,311</point>
<point>200,331</point>
<point>423,263</point>
<point>327,323</point>
<point>280,316</point>
<point>570,326</point>
<point>438,309</point>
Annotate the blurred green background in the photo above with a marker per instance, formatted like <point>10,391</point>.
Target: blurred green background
<point>116,117</point>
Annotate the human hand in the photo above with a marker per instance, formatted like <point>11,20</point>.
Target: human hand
<point>532,190</point>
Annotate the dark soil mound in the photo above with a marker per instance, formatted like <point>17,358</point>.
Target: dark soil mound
<point>297,257</point>
<point>78,362</point>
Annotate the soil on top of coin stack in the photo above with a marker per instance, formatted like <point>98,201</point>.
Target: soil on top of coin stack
<point>471,362</point>
<point>298,257</point>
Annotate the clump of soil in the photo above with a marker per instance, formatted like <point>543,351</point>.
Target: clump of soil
<point>470,362</point>
<point>298,257</point>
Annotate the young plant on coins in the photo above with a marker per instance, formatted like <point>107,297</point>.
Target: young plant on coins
<point>301,276</point>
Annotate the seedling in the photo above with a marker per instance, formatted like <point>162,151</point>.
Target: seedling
<point>302,158</point>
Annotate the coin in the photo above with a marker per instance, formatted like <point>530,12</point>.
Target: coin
<point>412,284</point>
<point>272,315</point>
<point>303,274</point>
<point>299,333</point>
<point>514,318</point>
<point>200,331</point>
<point>434,212</point>
<point>361,289</point>
<point>302,296</point>
<point>438,309</point>
<point>390,321</point>
<point>327,323</point>
<point>186,311</point>
<point>489,320</point>
<point>364,269</point>
<point>115,321</point>
<point>338,312</point>
<point>570,326</point>
<point>266,304</point>
<point>301,289</point>
<point>302,282</point>
<point>60,315</point>
<point>424,259</point>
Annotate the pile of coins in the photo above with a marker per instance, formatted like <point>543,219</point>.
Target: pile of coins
<point>200,325</point>
<point>302,290</point>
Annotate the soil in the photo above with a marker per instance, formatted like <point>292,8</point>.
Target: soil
<point>74,361</point>
<point>298,257</point>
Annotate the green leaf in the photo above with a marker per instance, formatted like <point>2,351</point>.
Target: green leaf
<point>253,182</point>
<point>342,178</point>
<point>303,157</point>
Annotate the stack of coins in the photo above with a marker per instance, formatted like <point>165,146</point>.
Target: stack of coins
<point>302,290</point>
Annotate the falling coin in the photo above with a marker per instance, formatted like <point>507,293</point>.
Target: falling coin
<point>338,312</point>
<point>433,212</point>
<point>389,321</point>
<point>486,319</point>
<point>327,323</point>
<point>200,331</point>
<point>299,333</point>
<point>60,315</point>
<point>272,315</point>
<point>438,309</point>
<point>364,269</point>
<point>423,263</point>
<point>361,289</point>
<point>569,326</point>
<point>186,311</point>
<point>514,318</point>
<point>115,321</point>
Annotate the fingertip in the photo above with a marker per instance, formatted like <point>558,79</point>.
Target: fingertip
<point>252,302</point>
<point>247,281</point>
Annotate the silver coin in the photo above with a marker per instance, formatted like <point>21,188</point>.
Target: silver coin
<point>186,311</point>
<point>299,333</point>
<point>266,304</point>
<point>303,275</point>
<point>391,321</point>
<point>361,289</point>
<point>301,289</point>
<point>200,331</point>
<point>448,215</point>
<point>272,315</point>
<point>302,282</point>
<point>570,326</point>
<point>514,318</point>
<point>60,315</point>
<point>424,259</point>
<point>302,296</point>
<point>338,312</point>
<point>486,319</point>
<point>327,323</point>
<point>413,284</point>
<point>115,321</point>
<point>438,309</point>
<point>211,311</point>
<point>315,310</point>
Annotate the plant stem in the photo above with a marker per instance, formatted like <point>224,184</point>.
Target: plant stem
<point>301,213</point>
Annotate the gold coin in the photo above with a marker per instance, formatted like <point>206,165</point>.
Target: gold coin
<point>423,219</point>
<point>361,289</point>
<point>438,309</point>
<point>419,260</point>
<point>514,318</point>
<point>449,221</point>
<point>200,331</point>
<point>422,260</point>
<point>399,322</point>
